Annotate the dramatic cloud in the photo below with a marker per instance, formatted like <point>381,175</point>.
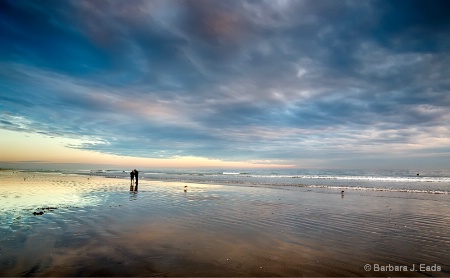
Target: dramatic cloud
<point>285,81</point>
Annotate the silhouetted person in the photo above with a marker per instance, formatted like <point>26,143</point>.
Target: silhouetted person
<point>136,174</point>
<point>132,177</point>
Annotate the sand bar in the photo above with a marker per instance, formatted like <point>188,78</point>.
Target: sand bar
<point>94,226</point>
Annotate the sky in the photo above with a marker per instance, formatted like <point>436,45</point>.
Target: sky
<point>275,83</point>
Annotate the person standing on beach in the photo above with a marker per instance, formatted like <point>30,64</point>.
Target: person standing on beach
<point>132,177</point>
<point>136,174</point>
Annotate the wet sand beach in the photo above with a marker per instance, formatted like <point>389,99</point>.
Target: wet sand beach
<point>73,225</point>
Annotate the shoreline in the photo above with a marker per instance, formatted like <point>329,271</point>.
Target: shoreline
<point>101,173</point>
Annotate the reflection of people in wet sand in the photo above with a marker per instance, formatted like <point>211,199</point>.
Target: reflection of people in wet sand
<point>136,174</point>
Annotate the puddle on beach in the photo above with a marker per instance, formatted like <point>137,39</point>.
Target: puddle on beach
<point>97,227</point>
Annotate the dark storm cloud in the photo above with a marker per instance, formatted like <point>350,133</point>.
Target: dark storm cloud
<point>228,79</point>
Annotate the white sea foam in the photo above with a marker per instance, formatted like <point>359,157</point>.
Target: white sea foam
<point>359,178</point>
<point>380,189</point>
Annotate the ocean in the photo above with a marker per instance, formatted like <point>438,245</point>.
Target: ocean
<point>412,181</point>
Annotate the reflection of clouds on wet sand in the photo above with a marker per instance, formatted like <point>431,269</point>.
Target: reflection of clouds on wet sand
<point>215,230</point>
<point>25,190</point>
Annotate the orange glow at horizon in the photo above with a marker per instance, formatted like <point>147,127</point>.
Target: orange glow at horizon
<point>19,147</point>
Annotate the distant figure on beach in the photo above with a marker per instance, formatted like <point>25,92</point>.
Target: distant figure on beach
<point>136,174</point>
<point>132,177</point>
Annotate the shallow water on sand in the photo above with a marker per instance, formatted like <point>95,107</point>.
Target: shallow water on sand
<point>93,226</point>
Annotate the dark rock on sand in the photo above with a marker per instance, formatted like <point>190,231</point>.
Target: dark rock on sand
<point>49,208</point>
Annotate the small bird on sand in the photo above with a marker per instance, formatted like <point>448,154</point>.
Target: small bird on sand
<point>185,188</point>
<point>342,192</point>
